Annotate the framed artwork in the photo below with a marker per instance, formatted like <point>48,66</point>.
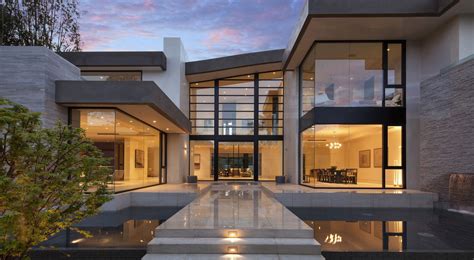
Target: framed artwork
<point>364,159</point>
<point>365,226</point>
<point>378,158</point>
<point>139,158</point>
<point>197,161</point>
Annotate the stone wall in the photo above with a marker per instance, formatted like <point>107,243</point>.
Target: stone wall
<point>447,127</point>
<point>27,76</point>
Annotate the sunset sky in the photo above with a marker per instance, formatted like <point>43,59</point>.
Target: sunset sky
<point>208,28</point>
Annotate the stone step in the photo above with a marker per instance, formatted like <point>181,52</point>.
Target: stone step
<point>233,233</point>
<point>180,245</point>
<point>230,257</point>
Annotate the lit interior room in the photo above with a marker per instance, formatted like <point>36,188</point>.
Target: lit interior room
<point>349,156</point>
<point>134,148</point>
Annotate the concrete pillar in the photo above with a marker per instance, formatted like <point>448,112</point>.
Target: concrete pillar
<point>291,126</point>
<point>172,81</point>
<point>178,156</point>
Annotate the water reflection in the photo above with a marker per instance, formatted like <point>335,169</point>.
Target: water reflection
<point>360,235</point>
<point>129,228</point>
<point>371,230</point>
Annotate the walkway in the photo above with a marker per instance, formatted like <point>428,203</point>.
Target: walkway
<point>234,221</point>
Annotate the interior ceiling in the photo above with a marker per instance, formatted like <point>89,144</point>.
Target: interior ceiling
<point>145,113</point>
<point>341,132</point>
<point>371,28</point>
<point>234,72</point>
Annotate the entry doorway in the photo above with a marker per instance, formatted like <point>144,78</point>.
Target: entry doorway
<point>235,161</point>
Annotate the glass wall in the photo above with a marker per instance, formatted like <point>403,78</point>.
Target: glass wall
<point>270,103</point>
<point>236,105</point>
<point>201,108</point>
<point>342,156</point>
<point>237,113</point>
<point>134,148</point>
<point>235,160</point>
<point>343,74</point>
<point>112,75</point>
<point>351,74</point>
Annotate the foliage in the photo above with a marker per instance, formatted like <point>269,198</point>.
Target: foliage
<point>49,179</point>
<point>49,23</point>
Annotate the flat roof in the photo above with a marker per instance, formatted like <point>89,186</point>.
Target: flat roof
<point>117,59</point>
<point>329,13</point>
<point>234,65</point>
<point>142,99</point>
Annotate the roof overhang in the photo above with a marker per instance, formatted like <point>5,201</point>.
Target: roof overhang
<point>144,60</point>
<point>235,65</point>
<point>141,99</point>
<point>324,20</point>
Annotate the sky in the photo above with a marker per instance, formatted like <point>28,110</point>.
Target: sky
<point>208,28</point>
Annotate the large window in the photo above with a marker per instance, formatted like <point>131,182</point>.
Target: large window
<point>351,156</point>
<point>201,108</point>
<point>135,149</point>
<point>236,105</point>
<point>351,74</point>
<point>233,116</point>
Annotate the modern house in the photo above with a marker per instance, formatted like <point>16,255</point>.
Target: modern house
<point>369,94</point>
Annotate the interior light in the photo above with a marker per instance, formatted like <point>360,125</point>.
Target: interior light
<point>232,234</point>
<point>232,250</point>
<point>274,73</point>
<point>131,121</point>
<point>167,129</point>
<point>248,76</point>
<point>388,49</point>
<point>197,84</point>
<point>154,121</point>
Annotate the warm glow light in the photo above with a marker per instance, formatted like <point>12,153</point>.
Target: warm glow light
<point>232,249</point>
<point>232,234</point>
<point>154,121</point>
<point>77,241</point>
<point>167,129</point>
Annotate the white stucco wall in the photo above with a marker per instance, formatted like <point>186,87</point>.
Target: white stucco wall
<point>173,82</point>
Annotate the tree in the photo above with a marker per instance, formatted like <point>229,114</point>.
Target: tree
<point>49,23</point>
<point>50,179</point>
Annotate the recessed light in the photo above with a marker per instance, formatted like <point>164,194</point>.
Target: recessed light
<point>248,76</point>
<point>154,121</point>
<point>131,121</point>
<point>232,249</point>
<point>274,73</point>
<point>197,84</point>
<point>388,49</point>
<point>232,234</point>
<point>167,129</point>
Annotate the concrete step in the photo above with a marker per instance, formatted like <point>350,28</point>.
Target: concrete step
<point>230,257</point>
<point>230,233</point>
<point>185,245</point>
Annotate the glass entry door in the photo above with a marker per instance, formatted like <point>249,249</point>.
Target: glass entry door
<point>235,160</point>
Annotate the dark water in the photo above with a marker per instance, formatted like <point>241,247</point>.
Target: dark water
<point>342,233</point>
<point>368,230</point>
<point>128,228</point>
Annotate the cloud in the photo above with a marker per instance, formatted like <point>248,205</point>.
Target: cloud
<point>208,28</point>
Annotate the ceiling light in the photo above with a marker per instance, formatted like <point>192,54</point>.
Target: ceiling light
<point>274,73</point>
<point>232,234</point>
<point>388,49</point>
<point>167,129</point>
<point>131,121</point>
<point>197,84</point>
<point>154,121</point>
<point>248,76</point>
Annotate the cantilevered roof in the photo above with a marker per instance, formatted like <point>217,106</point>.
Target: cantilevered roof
<point>142,99</point>
<point>367,20</point>
<point>147,59</point>
<point>234,65</point>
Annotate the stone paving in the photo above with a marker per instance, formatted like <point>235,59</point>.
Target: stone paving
<point>234,221</point>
